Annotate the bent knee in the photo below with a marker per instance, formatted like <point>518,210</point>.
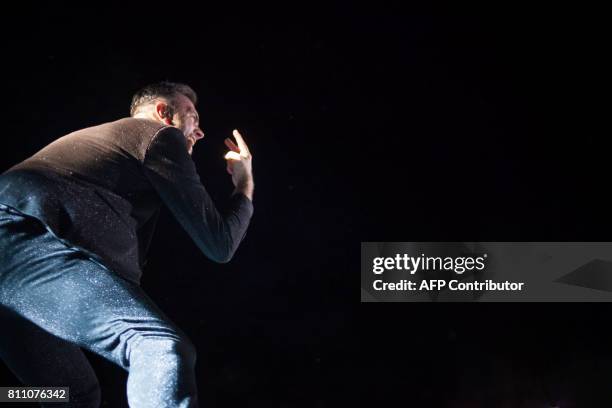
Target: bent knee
<point>177,347</point>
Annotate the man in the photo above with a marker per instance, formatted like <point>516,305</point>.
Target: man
<point>76,220</point>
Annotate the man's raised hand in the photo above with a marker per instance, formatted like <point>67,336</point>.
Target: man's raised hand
<point>239,164</point>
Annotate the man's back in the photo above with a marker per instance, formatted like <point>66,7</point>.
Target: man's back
<point>108,155</point>
<point>88,187</point>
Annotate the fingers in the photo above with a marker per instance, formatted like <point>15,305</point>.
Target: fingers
<point>231,145</point>
<point>232,156</point>
<point>241,144</point>
<point>237,152</point>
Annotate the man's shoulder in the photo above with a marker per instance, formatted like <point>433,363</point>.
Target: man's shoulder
<point>132,135</point>
<point>129,125</point>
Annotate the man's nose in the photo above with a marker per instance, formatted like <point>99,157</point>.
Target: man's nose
<point>198,133</point>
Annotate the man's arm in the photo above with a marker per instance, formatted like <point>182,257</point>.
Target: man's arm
<point>172,173</point>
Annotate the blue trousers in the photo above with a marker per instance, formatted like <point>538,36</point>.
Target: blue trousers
<point>55,300</point>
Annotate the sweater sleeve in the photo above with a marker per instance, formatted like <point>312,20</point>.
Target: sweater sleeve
<point>172,173</point>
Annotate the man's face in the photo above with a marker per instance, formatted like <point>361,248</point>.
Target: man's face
<point>187,119</point>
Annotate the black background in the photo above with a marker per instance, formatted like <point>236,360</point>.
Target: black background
<point>366,124</point>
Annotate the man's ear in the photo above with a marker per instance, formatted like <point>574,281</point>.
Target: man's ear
<point>163,111</point>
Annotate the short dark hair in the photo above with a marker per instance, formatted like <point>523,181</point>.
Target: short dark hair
<point>166,90</point>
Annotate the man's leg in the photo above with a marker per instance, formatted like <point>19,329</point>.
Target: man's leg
<point>38,358</point>
<point>78,300</point>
